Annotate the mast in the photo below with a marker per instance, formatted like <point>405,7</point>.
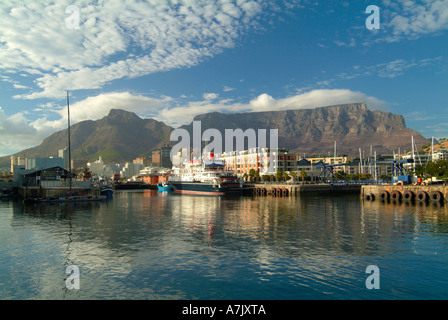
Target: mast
<point>335,152</point>
<point>69,147</point>
<point>432,149</point>
<point>413,153</point>
<point>360,161</point>
<point>376,171</point>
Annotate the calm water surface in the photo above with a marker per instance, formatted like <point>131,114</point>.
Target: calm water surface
<point>150,245</point>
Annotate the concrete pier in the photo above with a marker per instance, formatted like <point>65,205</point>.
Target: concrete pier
<point>411,193</point>
<point>38,192</point>
<point>285,190</point>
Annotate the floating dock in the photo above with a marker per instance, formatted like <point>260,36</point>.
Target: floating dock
<point>410,193</point>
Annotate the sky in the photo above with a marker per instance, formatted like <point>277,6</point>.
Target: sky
<point>172,60</point>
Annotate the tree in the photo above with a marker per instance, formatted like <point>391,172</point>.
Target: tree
<point>252,174</point>
<point>279,174</point>
<point>294,175</point>
<point>303,176</point>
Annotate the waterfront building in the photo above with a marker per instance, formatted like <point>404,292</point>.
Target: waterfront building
<point>103,170</point>
<point>63,153</point>
<point>440,154</point>
<point>258,159</point>
<point>131,169</point>
<point>142,160</point>
<point>44,163</point>
<point>424,158</point>
<point>96,167</point>
<point>154,175</point>
<point>17,163</point>
<point>181,157</point>
<point>161,157</point>
<point>79,163</point>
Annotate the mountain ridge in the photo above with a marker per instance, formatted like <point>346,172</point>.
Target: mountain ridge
<point>122,135</point>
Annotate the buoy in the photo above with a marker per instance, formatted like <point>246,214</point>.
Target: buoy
<point>285,192</point>
<point>278,192</point>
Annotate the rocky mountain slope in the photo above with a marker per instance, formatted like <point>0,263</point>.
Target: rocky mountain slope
<point>352,126</point>
<point>122,135</point>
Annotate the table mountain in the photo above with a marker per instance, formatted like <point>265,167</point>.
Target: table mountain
<point>352,126</point>
<point>123,136</point>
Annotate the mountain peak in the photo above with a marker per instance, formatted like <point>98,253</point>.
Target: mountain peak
<point>119,113</point>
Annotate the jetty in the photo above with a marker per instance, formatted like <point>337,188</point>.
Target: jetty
<point>284,190</point>
<point>369,192</point>
<point>409,193</point>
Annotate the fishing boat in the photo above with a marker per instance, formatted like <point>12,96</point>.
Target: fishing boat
<point>107,191</point>
<point>164,186</point>
<point>207,177</point>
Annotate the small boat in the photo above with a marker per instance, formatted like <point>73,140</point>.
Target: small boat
<point>163,186</point>
<point>107,191</point>
<point>6,193</point>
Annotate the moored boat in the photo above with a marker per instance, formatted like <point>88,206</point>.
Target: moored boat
<point>107,191</point>
<point>164,186</point>
<point>6,193</point>
<point>206,178</point>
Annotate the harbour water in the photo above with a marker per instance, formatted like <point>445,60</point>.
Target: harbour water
<point>152,245</point>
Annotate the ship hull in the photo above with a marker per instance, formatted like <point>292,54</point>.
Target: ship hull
<point>203,188</point>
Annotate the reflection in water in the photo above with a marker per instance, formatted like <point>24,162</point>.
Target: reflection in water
<point>153,245</point>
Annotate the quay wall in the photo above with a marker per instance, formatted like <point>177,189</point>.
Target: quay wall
<point>37,192</point>
<point>297,189</point>
<point>423,193</point>
<point>6,184</point>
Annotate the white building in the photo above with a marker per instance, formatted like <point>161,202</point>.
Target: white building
<point>131,169</point>
<point>63,153</point>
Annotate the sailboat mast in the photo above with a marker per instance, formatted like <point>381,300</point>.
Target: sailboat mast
<point>432,149</point>
<point>69,147</point>
<point>413,153</point>
<point>335,152</point>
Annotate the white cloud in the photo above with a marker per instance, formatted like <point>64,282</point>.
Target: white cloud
<point>390,69</point>
<point>263,102</point>
<point>413,19</point>
<point>97,107</point>
<point>116,39</point>
<point>16,132</point>
<point>210,96</point>
<point>228,89</point>
<point>181,115</point>
<point>19,133</point>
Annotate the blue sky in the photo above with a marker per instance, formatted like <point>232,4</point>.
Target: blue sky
<point>172,60</point>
